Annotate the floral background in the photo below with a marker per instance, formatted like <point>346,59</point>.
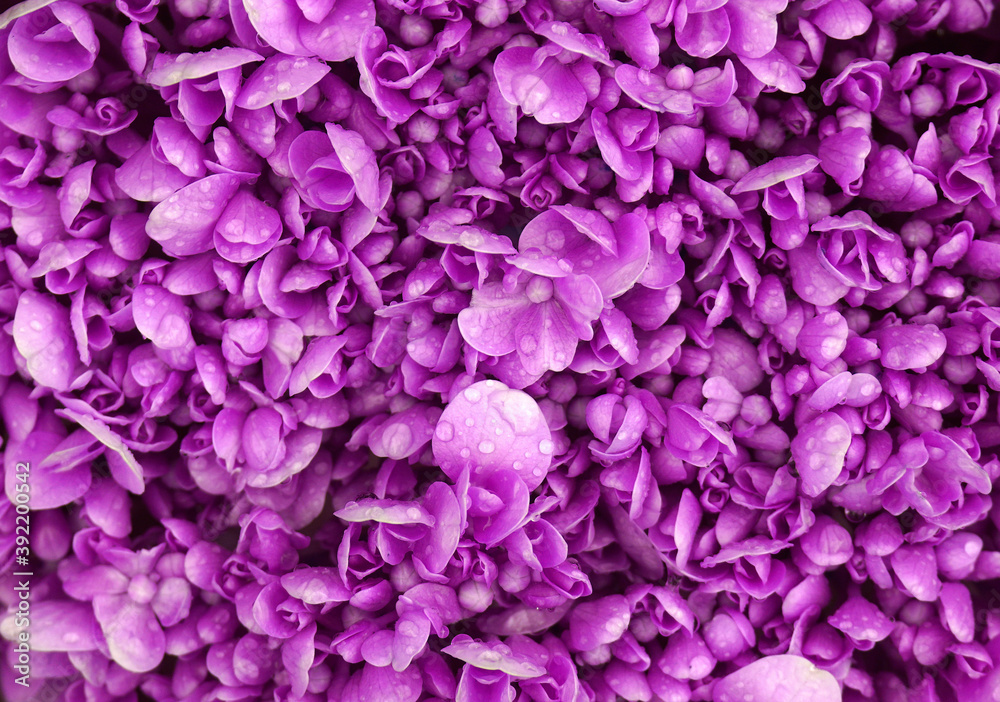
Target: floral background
<point>501,351</point>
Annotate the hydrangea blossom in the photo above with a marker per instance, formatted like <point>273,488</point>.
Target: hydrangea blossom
<point>377,350</point>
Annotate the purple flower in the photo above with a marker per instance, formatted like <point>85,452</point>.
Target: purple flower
<point>265,536</point>
<point>784,195</point>
<point>552,83</point>
<point>489,669</point>
<point>597,622</point>
<point>785,677</point>
<point>53,44</point>
<point>329,30</point>
<point>43,337</point>
<point>204,85</point>
<point>331,170</point>
<point>927,474</point>
<point>819,451</point>
<point>396,80</point>
<point>679,90</point>
<point>612,255</point>
<point>626,138</point>
<point>541,319</point>
<point>134,595</point>
<point>435,350</point>
<point>747,29</point>
<point>488,426</point>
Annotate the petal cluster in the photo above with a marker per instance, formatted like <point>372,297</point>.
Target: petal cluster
<point>496,350</point>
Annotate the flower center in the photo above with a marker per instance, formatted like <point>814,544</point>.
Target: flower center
<point>539,289</point>
<point>141,589</point>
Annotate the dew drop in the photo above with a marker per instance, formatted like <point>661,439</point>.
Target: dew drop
<point>486,447</point>
<point>473,394</point>
<point>465,453</point>
<point>546,447</point>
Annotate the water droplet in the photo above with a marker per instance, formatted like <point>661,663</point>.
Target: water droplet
<point>36,325</point>
<point>486,447</point>
<point>546,447</point>
<point>473,394</point>
<point>465,453</point>
<point>470,422</point>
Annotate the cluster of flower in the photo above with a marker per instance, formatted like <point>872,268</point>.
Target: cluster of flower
<point>549,350</point>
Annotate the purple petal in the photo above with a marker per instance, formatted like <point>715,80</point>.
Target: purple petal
<point>819,450</point>
<point>184,222</point>
<point>43,335</point>
<point>134,637</point>
<point>783,678</point>
<point>489,426</point>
